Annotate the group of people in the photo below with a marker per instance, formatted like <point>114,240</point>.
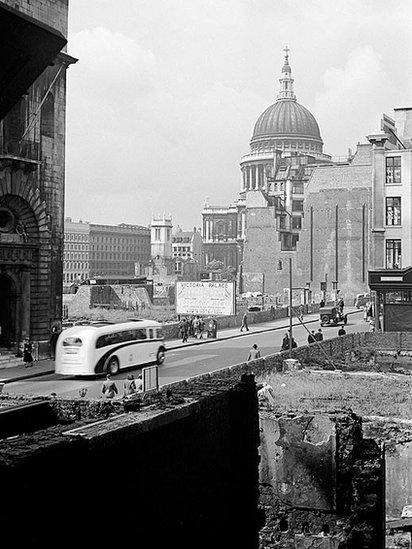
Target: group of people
<point>131,386</point>
<point>313,337</point>
<point>195,327</point>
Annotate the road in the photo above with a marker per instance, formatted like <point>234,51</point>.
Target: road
<point>185,362</point>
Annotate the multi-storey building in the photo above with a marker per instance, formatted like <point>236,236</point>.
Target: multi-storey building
<point>76,265</point>
<point>118,249</point>
<point>186,245</point>
<point>32,149</point>
<point>392,193</point>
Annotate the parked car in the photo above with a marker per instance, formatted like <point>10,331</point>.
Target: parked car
<point>361,300</point>
<point>331,315</point>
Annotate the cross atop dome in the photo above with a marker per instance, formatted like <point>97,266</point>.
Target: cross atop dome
<point>286,80</point>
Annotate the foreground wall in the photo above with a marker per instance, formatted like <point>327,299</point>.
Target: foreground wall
<point>170,476</point>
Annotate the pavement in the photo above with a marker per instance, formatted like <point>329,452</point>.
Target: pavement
<point>46,367</point>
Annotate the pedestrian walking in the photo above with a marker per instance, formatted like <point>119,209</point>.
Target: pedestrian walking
<point>183,330</point>
<point>27,353</point>
<point>211,328</point>
<point>196,323</point>
<point>254,353</point>
<point>214,328</point>
<point>129,386</point>
<point>200,328</point>
<point>109,389</point>
<point>244,322</point>
<point>322,303</point>
<point>294,344</point>
<point>311,337</point>
<point>190,327</point>
<point>301,311</point>
<point>341,331</point>
<point>319,335</point>
<point>53,341</point>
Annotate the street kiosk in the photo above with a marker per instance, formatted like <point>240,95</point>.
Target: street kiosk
<point>393,297</point>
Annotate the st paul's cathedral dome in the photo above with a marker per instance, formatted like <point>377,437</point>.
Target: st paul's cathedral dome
<point>286,124</point>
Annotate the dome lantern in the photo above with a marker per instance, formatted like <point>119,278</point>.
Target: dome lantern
<point>286,81</point>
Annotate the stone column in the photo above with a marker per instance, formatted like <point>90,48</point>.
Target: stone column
<point>256,176</point>
<point>25,303</point>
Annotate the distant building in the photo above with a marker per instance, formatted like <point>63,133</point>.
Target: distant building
<point>118,249</point>
<point>186,247</point>
<point>334,243</point>
<point>221,234</point>
<point>161,236</point>
<point>76,264</point>
<point>285,148</point>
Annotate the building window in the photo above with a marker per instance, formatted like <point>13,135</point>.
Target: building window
<point>157,234</point>
<point>297,205</point>
<point>393,210</point>
<point>297,187</point>
<point>296,222</point>
<point>47,117</point>
<point>393,169</point>
<point>393,254</point>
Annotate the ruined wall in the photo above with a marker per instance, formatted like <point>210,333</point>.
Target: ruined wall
<point>117,297</point>
<point>180,476</point>
<point>321,482</point>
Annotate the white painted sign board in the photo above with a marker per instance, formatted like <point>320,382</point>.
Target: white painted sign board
<point>205,298</point>
<point>150,378</point>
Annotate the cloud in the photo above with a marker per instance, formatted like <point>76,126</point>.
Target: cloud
<point>113,60</point>
<point>349,105</point>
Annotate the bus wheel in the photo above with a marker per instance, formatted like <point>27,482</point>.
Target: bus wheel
<point>113,366</point>
<point>160,358</point>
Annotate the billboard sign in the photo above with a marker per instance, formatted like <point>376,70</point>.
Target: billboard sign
<point>205,298</point>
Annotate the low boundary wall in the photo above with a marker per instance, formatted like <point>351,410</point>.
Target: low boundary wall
<point>393,341</point>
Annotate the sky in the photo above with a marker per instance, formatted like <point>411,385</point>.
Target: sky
<point>162,102</point>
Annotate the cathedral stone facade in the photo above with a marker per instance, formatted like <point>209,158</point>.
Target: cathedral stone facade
<point>32,147</point>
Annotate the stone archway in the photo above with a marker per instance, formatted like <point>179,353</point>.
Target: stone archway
<point>8,310</point>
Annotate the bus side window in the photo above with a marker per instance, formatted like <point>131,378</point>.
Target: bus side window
<point>151,336</point>
<point>139,334</point>
<point>159,333</point>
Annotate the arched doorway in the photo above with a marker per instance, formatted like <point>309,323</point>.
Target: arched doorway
<point>7,311</point>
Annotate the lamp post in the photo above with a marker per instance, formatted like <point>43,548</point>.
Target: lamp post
<point>307,293</point>
<point>290,307</point>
